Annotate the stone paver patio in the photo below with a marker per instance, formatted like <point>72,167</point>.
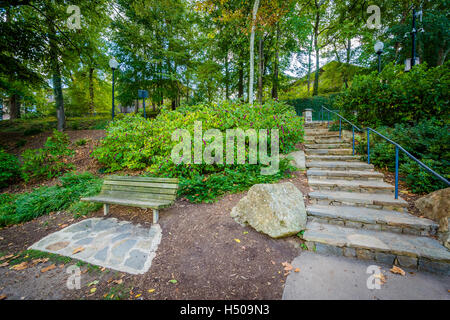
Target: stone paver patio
<point>110,243</point>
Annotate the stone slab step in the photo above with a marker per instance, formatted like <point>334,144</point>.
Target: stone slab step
<point>329,151</point>
<point>407,251</point>
<point>328,145</point>
<point>320,132</point>
<point>345,174</point>
<point>315,157</point>
<point>358,199</point>
<point>372,219</point>
<point>351,185</point>
<point>339,165</point>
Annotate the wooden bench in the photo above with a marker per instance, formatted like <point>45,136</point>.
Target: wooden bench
<point>141,192</point>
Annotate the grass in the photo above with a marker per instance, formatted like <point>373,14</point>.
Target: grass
<point>31,127</point>
<point>29,255</point>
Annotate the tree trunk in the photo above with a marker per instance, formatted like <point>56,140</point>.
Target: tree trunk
<point>316,46</point>
<point>56,77</point>
<point>346,68</point>
<point>227,77</point>
<point>14,106</point>
<point>309,63</point>
<point>252,53</point>
<point>241,80</point>
<point>91,91</point>
<point>275,68</point>
<point>261,70</point>
<point>136,106</point>
<point>442,55</point>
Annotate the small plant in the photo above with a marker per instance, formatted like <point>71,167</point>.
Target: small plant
<point>47,162</point>
<point>80,142</point>
<point>20,143</point>
<point>9,168</point>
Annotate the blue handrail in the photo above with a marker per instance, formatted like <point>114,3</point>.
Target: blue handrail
<point>397,148</point>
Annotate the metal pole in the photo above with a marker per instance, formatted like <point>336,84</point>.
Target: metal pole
<point>368,146</point>
<point>379,62</point>
<point>353,134</point>
<point>143,103</point>
<point>340,125</point>
<point>413,34</point>
<point>328,124</point>
<point>396,172</point>
<point>113,93</point>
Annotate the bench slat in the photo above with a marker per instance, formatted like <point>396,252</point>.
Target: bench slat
<point>146,190</point>
<point>143,179</point>
<point>153,204</point>
<point>141,184</point>
<point>138,195</point>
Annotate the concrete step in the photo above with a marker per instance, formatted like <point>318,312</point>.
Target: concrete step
<point>358,199</point>
<point>339,165</point>
<point>321,158</point>
<point>345,174</point>
<point>328,145</point>
<point>368,186</point>
<point>329,151</point>
<point>407,251</point>
<point>372,219</point>
<point>320,132</point>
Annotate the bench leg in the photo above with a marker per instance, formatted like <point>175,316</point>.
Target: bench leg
<point>105,209</point>
<point>155,216</point>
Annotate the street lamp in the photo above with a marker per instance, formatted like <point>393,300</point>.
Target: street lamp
<point>113,64</point>
<point>378,47</point>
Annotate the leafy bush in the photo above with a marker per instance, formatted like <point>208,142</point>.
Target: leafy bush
<point>395,96</point>
<point>136,143</point>
<point>47,162</point>
<point>9,168</point>
<point>207,188</point>
<point>65,196</point>
<point>428,141</point>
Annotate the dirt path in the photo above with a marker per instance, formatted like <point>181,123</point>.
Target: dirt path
<point>208,254</point>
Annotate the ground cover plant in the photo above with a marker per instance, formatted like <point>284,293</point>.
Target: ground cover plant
<point>18,208</point>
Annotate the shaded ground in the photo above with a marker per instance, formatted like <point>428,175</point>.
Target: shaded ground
<point>208,254</point>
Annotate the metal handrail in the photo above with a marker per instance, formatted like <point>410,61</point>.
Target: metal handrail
<point>397,148</point>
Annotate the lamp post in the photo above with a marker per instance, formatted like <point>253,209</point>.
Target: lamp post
<point>378,47</point>
<point>113,64</point>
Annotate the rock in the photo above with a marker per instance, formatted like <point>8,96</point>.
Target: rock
<point>436,206</point>
<point>277,210</point>
<point>297,159</point>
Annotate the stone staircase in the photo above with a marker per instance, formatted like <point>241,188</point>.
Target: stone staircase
<point>353,212</point>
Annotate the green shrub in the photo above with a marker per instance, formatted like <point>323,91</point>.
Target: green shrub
<point>65,196</point>
<point>136,143</point>
<point>428,141</point>
<point>80,142</point>
<point>47,162</point>
<point>395,97</point>
<point>9,168</point>
<point>231,180</point>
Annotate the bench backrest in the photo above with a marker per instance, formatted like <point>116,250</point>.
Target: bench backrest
<point>141,188</point>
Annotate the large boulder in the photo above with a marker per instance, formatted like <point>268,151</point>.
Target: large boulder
<point>436,206</point>
<point>277,210</point>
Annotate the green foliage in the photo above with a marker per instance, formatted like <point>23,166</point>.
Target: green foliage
<point>65,196</point>
<point>397,97</point>
<point>231,180</point>
<point>428,141</point>
<point>80,142</point>
<point>47,162</point>
<point>9,168</point>
<point>315,103</point>
<point>136,143</point>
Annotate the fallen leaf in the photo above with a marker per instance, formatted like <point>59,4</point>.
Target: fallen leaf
<point>63,226</point>
<point>287,266</point>
<point>6,257</point>
<point>173,281</point>
<point>93,290</point>
<point>102,269</point>
<point>20,266</point>
<point>4,264</point>
<point>93,283</point>
<point>2,297</point>
<point>237,240</point>
<point>1,238</point>
<point>77,250</point>
<point>297,270</point>
<point>50,267</point>
<point>118,281</point>
<point>138,295</point>
<point>245,232</point>
<point>397,270</point>
<point>151,290</point>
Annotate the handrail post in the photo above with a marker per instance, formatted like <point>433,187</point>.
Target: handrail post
<point>328,124</point>
<point>368,146</point>
<point>353,134</point>
<point>396,172</point>
<point>340,130</point>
